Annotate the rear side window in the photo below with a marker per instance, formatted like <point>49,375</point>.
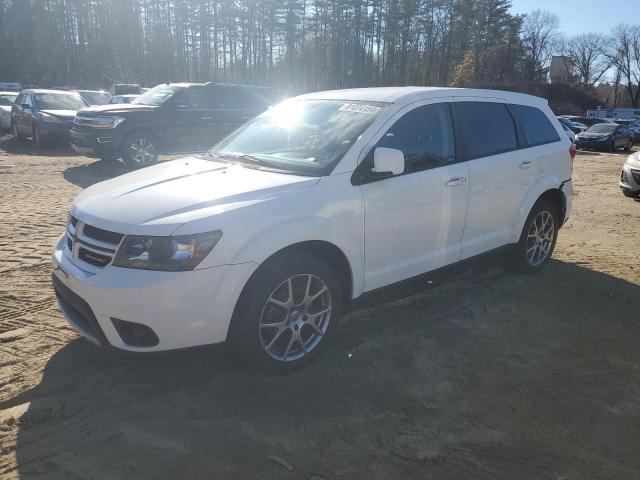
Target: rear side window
<point>485,128</point>
<point>425,136</point>
<point>535,125</point>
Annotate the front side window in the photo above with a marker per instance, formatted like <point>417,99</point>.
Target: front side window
<point>307,137</point>
<point>59,101</point>
<point>424,135</point>
<point>486,128</point>
<point>535,125</point>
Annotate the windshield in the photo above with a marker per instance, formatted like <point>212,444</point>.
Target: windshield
<point>95,98</point>
<point>156,96</point>
<point>7,99</point>
<point>59,101</point>
<point>602,128</point>
<point>307,137</point>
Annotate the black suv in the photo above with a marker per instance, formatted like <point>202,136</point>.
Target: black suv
<point>169,118</point>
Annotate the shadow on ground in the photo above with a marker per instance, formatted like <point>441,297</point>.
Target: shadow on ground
<point>487,375</point>
<point>28,147</point>
<point>86,175</point>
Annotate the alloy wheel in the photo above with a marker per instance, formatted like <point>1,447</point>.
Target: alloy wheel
<point>295,317</point>
<point>540,238</point>
<point>142,151</point>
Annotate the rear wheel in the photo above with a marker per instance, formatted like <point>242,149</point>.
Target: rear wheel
<point>139,150</point>
<point>538,238</point>
<point>286,312</point>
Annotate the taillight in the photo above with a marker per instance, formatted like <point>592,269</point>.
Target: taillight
<point>572,151</point>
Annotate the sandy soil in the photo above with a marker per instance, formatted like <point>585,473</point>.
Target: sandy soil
<point>484,375</point>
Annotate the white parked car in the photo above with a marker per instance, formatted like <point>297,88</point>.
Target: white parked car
<point>6,101</point>
<point>630,176</point>
<point>265,241</point>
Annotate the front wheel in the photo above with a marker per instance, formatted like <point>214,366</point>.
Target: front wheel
<point>286,312</point>
<point>538,238</point>
<point>628,146</point>
<point>630,194</point>
<point>612,146</point>
<point>139,150</point>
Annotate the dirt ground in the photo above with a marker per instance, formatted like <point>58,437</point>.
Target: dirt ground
<point>484,375</point>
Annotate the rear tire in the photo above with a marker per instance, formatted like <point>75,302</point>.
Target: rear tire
<point>139,150</point>
<point>286,312</point>
<point>538,238</point>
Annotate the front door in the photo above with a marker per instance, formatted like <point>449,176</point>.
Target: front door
<point>414,221</point>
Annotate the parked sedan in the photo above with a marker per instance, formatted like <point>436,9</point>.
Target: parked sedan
<point>45,115</point>
<point>6,101</point>
<point>633,125</point>
<point>609,136</point>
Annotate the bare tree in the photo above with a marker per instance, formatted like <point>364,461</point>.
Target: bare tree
<point>624,54</point>
<point>540,40</point>
<point>588,53</point>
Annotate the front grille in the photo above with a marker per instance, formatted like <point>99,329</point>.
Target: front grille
<point>97,259</point>
<point>90,248</point>
<point>102,235</point>
<point>636,175</point>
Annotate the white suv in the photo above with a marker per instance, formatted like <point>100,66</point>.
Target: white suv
<point>266,240</point>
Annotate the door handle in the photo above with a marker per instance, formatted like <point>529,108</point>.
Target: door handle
<point>455,181</point>
<point>526,164</point>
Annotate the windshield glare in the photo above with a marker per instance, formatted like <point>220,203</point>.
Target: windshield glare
<point>156,96</point>
<point>602,128</point>
<point>307,137</point>
<point>59,101</point>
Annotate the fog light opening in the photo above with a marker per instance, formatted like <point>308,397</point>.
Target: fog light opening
<point>135,334</point>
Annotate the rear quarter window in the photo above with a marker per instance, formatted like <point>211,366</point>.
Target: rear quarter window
<point>535,126</point>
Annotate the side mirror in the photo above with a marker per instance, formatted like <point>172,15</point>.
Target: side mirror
<point>26,106</point>
<point>388,160</point>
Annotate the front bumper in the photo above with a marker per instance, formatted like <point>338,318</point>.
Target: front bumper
<point>102,144</point>
<point>183,309</point>
<point>55,131</point>
<point>629,178</point>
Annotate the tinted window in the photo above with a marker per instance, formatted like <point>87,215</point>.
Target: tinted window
<point>193,97</point>
<point>535,125</point>
<point>486,128</point>
<point>237,98</point>
<point>425,136</point>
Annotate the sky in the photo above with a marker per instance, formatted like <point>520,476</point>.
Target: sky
<point>585,15</point>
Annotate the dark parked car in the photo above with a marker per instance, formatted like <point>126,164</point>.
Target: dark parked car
<point>119,99</point>
<point>610,136</point>
<point>573,126</point>
<point>94,97</point>
<point>169,118</point>
<point>44,115</point>
<point>633,125</point>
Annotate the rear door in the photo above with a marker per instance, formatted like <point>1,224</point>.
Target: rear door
<point>186,120</point>
<point>414,221</point>
<point>500,173</point>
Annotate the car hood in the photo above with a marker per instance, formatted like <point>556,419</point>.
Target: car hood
<point>66,114</point>
<point>159,199</point>
<point>97,110</point>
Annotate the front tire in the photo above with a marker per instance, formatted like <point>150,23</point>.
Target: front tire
<point>628,146</point>
<point>630,194</point>
<point>139,150</point>
<point>538,238</point>
<point>286,313</point>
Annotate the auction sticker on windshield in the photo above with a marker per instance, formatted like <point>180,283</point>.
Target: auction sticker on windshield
<point>359,108</point>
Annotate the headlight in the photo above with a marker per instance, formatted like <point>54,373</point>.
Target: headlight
<point>106,122</point>
<point>50,118</point>
<point>176,253</point>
